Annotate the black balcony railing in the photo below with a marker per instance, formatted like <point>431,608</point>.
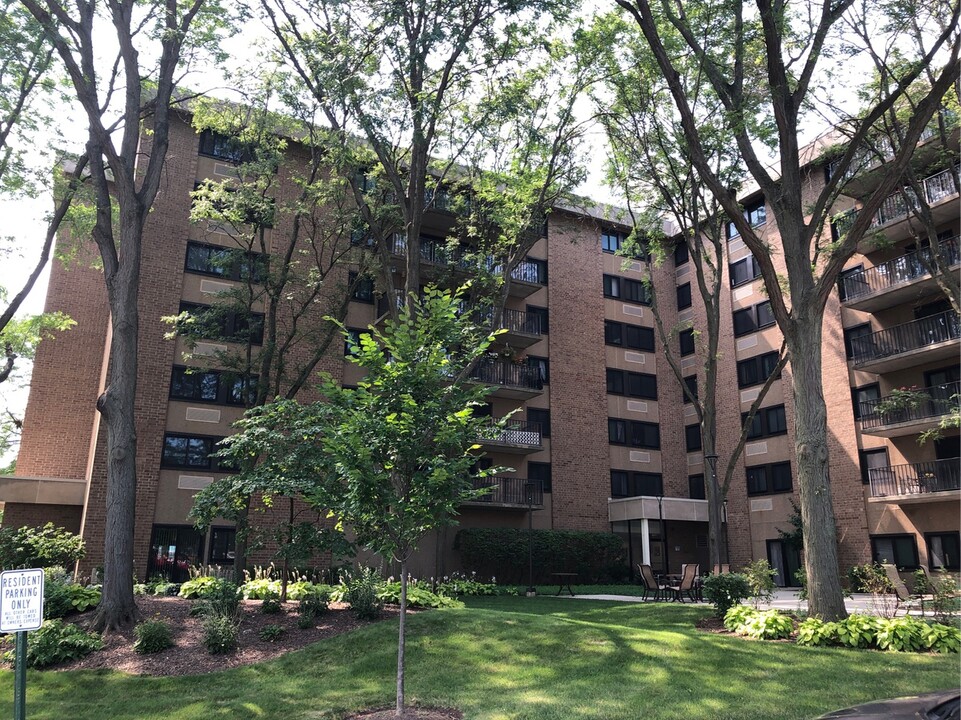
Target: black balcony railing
<point>896,206</point>
<point>520,492</point>
<point>515,432</point>
<point>896,272</point>
<point>521,321</point>
<point>907,337</point>
<point>506,373</point>
<point>916,479</point>
<point>910,406</point>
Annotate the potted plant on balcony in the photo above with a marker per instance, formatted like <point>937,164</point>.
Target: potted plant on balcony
<point>900,401</point>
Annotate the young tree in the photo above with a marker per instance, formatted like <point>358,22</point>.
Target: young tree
<point>392,459</point>
<point>763,62</point>
<point>151,42</point>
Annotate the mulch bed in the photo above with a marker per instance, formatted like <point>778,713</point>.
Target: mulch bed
<point>190,657</point>
<point>712,624</point>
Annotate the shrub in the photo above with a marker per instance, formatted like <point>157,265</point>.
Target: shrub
<point>305,622</point>
<point>417,596</point>
<point>945,597</point>
<point>62,597</point>
<point>814,631</point>
<point>760,579</point>
<point>259,588</point>
<point>269,633</point>
<point>56,642</point>
<point>361,594</point>
<point>857,631</point>
<point>504,552</point>
<point>869,578</point>
<point>904,634</point>
<point>736,616</point>
<point>767,625</point>
<point>152,636</point>
<point>140,588</point>
<point>457,586</point>
<point>222,600</point>
<point>200,587</point>
<point>725,591</point>
<point>942,638</point>
<point>271,604</point>
<point>47,546</point>
<point>168,589</point>
<point>220,634</point>
<point>314,604</point>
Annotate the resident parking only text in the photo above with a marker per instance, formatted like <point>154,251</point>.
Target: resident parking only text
<point>21,600</point>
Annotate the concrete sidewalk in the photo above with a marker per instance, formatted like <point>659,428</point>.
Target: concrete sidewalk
<point>783,600</point>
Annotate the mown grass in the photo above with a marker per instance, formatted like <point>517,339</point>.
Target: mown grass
<point>539,658</point>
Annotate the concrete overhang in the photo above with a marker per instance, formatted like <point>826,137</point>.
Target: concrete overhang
<point>42,491</point>
<point>645,507</point>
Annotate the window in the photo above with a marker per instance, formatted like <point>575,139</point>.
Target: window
<point>363,287</point>
<point>541,367</point>
<point>240,390</point>
<point>541,313</point>
<point>767,422</point>
<point>684,296</point>
<point>625,335</point>
<point>540,471</point>
<point>685,339</point>
<point>189,451</point>
<point>843,283</point>
<point>223,147</point>
<point>853,333</point>
<point>634,433</point>
<point>769,479</point>
<point>692,437</point>
<point>691,383</point>
<point>613,242</point>
<point>872,460</point>
<point>944,550</point>
<point>352,340</point>
<point>755,213</point>
<point>744,271</point>
<point>186,384</point>
<point>681,254</point>
<point>753,318</point>
<point>541,416</point>
<point>628,484</point>
<point>222,541</point>
<point>756,370</point>
<point>218,322</point>
<point>695,487</point>
<point>899,550</point>
<point>228,263</point>
<point>631,384</point>
<point>631,291</point>
<point>862,399</point>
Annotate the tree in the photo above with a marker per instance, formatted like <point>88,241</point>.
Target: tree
<point>117,97</point>
<point>419,93</point>
<point>763,62</point>
<point>395,457</point>
<point>289,275</point>
<point>648,162</point>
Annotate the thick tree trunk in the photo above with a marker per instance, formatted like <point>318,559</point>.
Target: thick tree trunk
<point>825,598</point>
<point>401,639</point>
<point>117,606</point>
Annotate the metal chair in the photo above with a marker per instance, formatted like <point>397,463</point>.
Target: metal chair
<point>650,582</point>
<point>686,585</point>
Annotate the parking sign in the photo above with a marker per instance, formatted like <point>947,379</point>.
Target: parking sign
<point>21,600</point>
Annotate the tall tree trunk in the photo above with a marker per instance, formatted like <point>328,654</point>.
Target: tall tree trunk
<point>117,607</point>
<point>401,638</point>
<point>713,490</point>
<point>825,598</point>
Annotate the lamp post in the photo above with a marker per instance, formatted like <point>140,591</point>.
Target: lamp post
<point>529,487</point>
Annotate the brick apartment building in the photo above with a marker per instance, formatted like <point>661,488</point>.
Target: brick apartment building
<point>603,424</point>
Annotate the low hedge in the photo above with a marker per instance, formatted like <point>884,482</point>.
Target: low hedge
<point>502,553</point>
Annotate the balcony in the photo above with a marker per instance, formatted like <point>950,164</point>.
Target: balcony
<point>527,277</point>
<point>432,252</point>
<point>508,492</point>
<point>896,281</point>
<point>909,412</point>
<point>925,340</point>
<point>517,381</point>
<point>918,482</point>
<point>523,329</point>
<point>518,437</point>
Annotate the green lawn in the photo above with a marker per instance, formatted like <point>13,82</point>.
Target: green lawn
<point>514,658</point>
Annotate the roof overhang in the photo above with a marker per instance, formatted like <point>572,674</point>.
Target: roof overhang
<point>42,491</point>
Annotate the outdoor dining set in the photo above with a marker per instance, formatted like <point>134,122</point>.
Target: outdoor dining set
<point>675,587</point>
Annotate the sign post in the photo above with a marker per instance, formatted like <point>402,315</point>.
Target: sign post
<point>21,609</point>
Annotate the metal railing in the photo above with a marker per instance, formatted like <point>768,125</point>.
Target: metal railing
<point>500,371</point>
<point>916,478</point>
<point>515,432</point>
<point>907,337</point>
<point>509,491</point>
<point>896,206</point>
<point>897,271</point>
<point>435,252</point>
<point>521,321</point>
<point>909,406</point>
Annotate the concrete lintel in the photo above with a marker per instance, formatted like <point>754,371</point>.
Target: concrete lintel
<point>645,507</point>
<point>42,491</point>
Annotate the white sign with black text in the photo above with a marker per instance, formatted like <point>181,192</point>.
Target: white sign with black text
<point>21,600</point>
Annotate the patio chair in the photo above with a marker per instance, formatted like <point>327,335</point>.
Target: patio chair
<point>686,585</point>
<point>722,569</point>
<point>650,583</point>
<point>905,598</point>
